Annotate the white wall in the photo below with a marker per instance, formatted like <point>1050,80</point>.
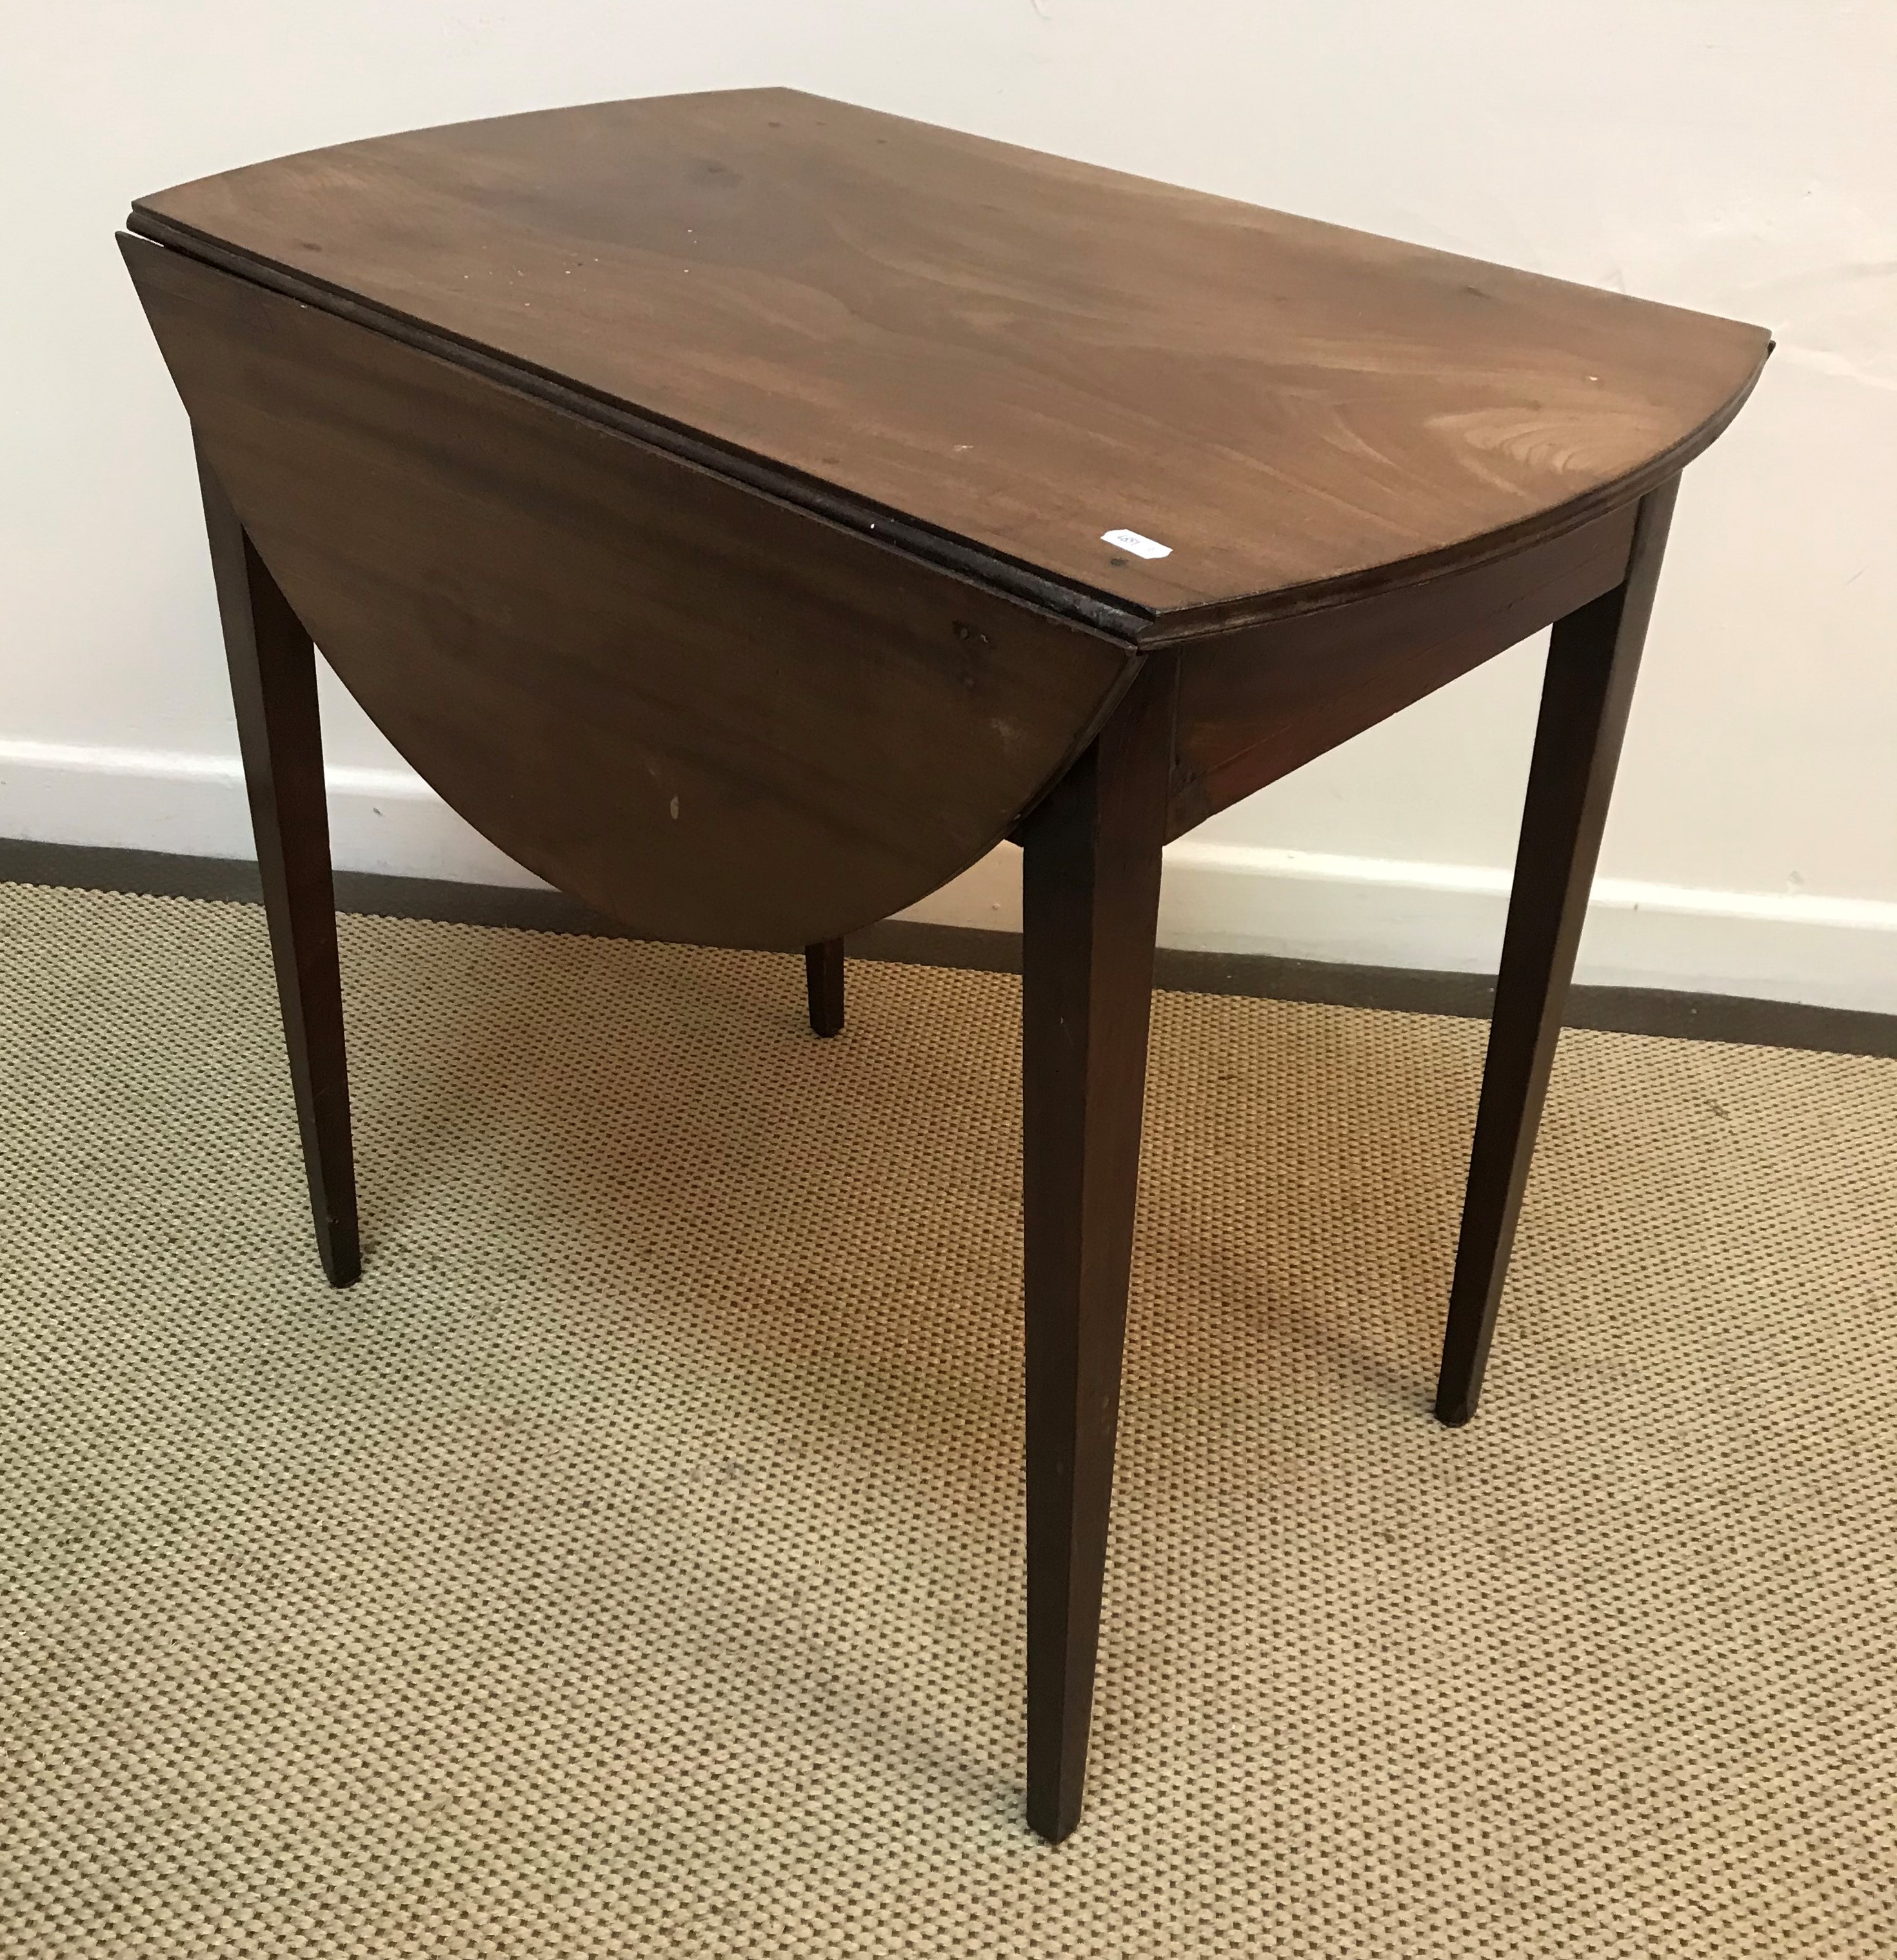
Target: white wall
<point>1731,154</point>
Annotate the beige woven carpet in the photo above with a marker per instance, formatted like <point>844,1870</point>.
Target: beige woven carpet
<point>631,1563</point>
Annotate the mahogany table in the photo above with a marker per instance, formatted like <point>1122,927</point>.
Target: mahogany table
<point>747,510</point>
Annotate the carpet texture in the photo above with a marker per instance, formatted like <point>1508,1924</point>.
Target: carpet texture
<point>631,1563</point>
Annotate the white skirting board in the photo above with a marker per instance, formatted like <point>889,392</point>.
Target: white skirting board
<point>158,799</point>
<point>1222,897</point>
<point>1381,911</point>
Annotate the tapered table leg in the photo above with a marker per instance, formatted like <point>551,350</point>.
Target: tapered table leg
<point>273,687</point>
<point>1090,902</point>
<point>1592,660</point>
<point>824,984</point>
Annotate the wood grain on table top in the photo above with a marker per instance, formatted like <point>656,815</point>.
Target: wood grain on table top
<point>1010,349</point>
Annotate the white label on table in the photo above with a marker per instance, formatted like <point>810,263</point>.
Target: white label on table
<point>1139,546</point>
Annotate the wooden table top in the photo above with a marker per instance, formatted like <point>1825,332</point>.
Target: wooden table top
<point>1007,349</point>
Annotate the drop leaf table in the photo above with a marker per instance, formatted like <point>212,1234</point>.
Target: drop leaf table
<point>747,510</point>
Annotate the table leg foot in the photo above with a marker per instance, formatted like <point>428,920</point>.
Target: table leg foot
<point>273,688</point>
<point>1592,660</point>
<point>823,985</point>
<point>1090,900</point>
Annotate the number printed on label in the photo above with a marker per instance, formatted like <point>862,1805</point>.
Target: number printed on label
<point>1131,541</point>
